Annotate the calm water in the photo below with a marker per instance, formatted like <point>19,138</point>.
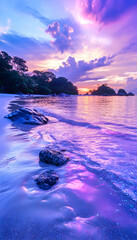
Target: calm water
<point>96,194</point>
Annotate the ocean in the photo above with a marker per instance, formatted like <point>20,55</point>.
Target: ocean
<point>96,196</point>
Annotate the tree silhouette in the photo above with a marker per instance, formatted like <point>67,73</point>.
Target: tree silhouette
<point>19,64</point>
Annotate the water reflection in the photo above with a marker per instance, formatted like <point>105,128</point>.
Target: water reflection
<point>88,202</point>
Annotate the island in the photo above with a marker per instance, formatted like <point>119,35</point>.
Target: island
<point>105,90</point>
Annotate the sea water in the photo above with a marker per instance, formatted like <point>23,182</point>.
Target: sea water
<point>96,195</point>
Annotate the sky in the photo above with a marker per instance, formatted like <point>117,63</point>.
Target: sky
<point>90,42</point>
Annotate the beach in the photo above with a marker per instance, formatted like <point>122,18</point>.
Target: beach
<point>95,197</point>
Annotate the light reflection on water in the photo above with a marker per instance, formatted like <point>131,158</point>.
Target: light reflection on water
<point>103,129</point>
<point>99,135</point>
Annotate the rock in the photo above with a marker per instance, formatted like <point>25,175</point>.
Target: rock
<point>130,94</point>
<point>122,92</point>
<point>63,95</point>
<point>46,179</point>
<point>27,116</point>
<point>104,90</point>
<point>53,157</point>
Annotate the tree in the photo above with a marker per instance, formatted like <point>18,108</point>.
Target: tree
<point>14,80</point>
<point>43,76</point>
<point>19,65</point>
<point>62,85</point>
<point>43,81</point>
<point>5,62</point>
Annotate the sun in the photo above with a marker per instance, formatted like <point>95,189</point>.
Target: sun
<point>83,90</point>
<point>83,21</point>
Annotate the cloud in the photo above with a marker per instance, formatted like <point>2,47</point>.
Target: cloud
<point>67,30</point>
<point>79,71</point>
<point>130,48</point>
<point>25,47</point>
<point>105,11</point>
<point>70,21</point>
<point>36,14</point>
<point>5,29</point>
<point>62,37</point>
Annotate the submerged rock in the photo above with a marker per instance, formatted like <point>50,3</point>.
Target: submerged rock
<point>27,116</point>
<point>53,157</point>
<point>46,179</point>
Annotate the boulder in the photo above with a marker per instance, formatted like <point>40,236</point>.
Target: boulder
<point>46,179</point>
<point>130,94</point>
<point>54,157</point>
<point>122,92</point>
<point>27,116</point>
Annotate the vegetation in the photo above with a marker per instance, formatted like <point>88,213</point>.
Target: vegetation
<point>15,79</point>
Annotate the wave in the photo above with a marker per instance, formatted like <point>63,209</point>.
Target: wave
<point>71,121</point>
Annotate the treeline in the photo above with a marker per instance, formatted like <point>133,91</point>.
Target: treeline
<point>15,79</point>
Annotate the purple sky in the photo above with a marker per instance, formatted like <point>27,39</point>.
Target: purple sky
<point>88,41</point>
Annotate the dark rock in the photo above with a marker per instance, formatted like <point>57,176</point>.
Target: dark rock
<point>104,90</point>
<point>63,95</point>
<point>130,94</point>
<point>122,92</point>
<point>46,179</point>
<point>28,116</point>
<point>53,157</point>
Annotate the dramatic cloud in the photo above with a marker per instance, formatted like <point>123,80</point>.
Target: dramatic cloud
<point>65,31</point>
<point>70,21</point>
<point>105,11</point>
<point>62,37</point>
<point>79,71</point>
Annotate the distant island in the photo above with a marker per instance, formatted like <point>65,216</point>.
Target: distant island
<point>105,90</point>
<point>14,78</point>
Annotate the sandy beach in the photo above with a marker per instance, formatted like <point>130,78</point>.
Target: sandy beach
<point>85,204</point>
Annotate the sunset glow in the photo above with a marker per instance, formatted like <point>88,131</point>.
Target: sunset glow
<point>82,30</point>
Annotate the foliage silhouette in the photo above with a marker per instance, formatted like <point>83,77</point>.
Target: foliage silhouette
<point>15,79</point>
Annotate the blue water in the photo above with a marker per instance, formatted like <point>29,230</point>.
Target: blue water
<point>97,191</point>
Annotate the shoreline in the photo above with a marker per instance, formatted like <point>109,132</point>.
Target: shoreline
<point>112,216</point>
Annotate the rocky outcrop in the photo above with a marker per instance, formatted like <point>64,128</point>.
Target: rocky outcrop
<point>54,157</point>
<point>27,116</point>
<point>130,94</point>
<point>122,92</point>
<point>104,90</point>
<point>46,179</point>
